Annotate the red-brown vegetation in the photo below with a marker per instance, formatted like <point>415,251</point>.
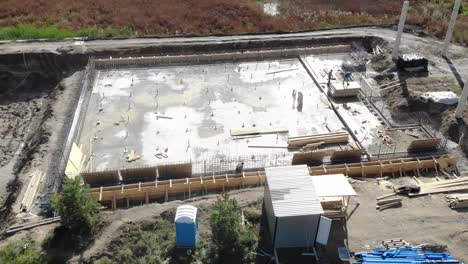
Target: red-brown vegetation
<point>172,17</point>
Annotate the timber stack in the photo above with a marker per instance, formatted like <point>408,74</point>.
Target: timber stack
<point>443,186</point>
<point>314,141</point>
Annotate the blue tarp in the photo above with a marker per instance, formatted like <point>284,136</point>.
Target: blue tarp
<point>405,256</point>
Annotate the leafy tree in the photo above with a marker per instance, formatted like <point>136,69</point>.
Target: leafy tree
<point>230,242</point>
<point>78,210</point>
<point>22,252</point>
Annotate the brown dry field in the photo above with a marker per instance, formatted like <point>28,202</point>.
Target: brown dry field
<point>176,17</point>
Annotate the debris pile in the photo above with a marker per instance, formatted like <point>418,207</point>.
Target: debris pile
<point>386,139</point>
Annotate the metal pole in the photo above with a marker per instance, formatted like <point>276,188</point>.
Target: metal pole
<point>451,27</point>
<point>401,26</point>
<point>462,102</point>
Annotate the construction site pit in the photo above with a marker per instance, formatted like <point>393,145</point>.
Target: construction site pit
<point>192,115</point>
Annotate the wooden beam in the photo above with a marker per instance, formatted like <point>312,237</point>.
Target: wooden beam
<point>246,132</point>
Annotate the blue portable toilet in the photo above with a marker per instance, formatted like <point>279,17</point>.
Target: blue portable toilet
<point>186,226</point>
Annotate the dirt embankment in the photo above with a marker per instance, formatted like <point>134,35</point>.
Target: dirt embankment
<point>407,96</point>
<point>27,95</point>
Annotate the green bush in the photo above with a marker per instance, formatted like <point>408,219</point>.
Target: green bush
<point>22,252</point>
<point>230,242</point>
<point>79,212</point>
<point>149,242</point>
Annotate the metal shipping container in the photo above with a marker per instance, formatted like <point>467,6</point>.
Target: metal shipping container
<point>293,208</point>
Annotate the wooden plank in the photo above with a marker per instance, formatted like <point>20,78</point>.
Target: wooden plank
<point>14,229</point>
<point>246,132</point>
<point>317,138</point>
<point>318,135</point>
<point>465,179</point>
<point>441,190</point>
<point>390,87</point>
<point>381,202</point>
<point>325,140</point>
<point>31,190</point>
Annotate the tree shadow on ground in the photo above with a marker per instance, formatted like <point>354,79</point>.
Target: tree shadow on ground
<point>63,244</point>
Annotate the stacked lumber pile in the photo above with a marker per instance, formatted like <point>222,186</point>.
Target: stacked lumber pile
<point>458,201</point>
<point>383,204</point>
<point>315,141</point>
<point>454,185</point>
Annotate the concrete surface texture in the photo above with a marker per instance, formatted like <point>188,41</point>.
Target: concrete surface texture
<point>359,119</point>
<point>187,112</point>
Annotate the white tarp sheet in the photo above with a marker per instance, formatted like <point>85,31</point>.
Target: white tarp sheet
<point>332,185</point>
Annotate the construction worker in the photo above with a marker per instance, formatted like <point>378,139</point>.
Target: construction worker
<point>240,167</point>
<point>330,74</point>
<point>347,78</point>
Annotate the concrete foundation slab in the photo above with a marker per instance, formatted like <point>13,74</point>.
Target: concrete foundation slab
<point>181,113</point>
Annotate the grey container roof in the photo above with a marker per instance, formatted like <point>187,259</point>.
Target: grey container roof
<point>292,191</point>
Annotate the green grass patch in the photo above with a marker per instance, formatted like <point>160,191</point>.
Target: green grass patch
<point>23,251</point>
<point>30,31</point>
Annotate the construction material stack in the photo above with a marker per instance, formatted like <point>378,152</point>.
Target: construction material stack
<point>443,186</point>
<point>315,141</point>
<point>410,255</point>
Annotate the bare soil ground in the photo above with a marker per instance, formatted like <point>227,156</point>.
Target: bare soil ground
<point>426,219</point>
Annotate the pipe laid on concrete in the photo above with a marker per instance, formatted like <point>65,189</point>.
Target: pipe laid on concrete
<point>451,27</point>
<point>462,102</point>
<point>401,26</point>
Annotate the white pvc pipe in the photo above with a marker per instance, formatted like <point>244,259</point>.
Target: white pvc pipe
<point>451,27</point>
<point>401,26</point>
<point>462,102</point>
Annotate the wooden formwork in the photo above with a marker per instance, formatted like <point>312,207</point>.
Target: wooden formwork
<point>132,174</point>
<point>163,189</point>
<point>424,144</point>
<point>312,157</point>
<point>161,172</point>
<point>101,177</point>
<point>380,167</point>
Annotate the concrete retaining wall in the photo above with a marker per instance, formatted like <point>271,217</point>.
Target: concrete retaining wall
<point>218,57</point>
